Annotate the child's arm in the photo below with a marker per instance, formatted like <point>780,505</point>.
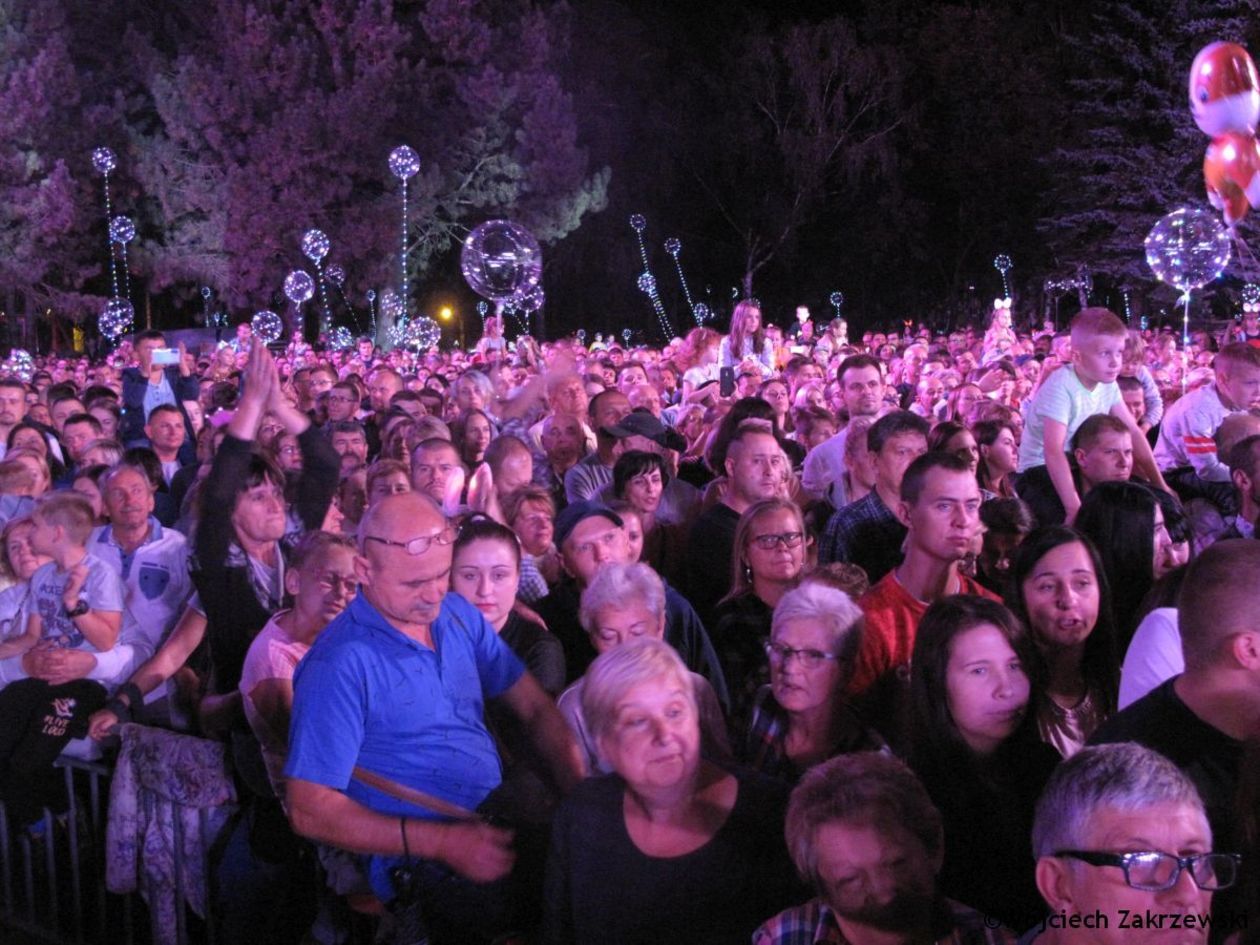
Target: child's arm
<point>1054,436</point>
<point>29,637</point>
<point>1143,458</point>
<point>99,627</point>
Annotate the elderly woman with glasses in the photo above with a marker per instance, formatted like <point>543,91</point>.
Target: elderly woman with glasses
<point>625,603</point>
<point>672,847</point>
<point>769,554</point>
<point>801,718</point>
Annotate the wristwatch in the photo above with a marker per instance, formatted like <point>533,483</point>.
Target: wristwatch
<point>78,610</point>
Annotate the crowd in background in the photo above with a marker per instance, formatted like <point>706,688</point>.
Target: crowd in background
<point>777,635</point>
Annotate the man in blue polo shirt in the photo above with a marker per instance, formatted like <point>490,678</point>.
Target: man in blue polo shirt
<point>393,693</point>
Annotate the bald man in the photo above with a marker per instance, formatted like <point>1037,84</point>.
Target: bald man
<point>389,754</point>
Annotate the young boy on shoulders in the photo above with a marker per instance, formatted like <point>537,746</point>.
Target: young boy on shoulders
<point>1065,400</point>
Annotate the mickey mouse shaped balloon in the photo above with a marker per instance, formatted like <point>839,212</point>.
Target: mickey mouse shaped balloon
<point>1231,172</point>
<point>1224,90</point>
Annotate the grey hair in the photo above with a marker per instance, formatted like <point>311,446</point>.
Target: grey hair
<point>614,585</point>
<point>832,609</point>
<point>1123,777</point>
<point>621,669</point>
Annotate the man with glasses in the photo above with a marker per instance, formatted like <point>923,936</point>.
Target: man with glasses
<point>940,508</point>
<point>1202,719</point>
<point>1125,854</point>
<point>389,753</point>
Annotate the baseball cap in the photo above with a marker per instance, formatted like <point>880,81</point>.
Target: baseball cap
<point>642,423</point>
<point>577,512</point>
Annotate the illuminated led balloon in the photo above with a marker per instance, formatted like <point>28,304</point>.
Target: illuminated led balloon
<point>336,275</point>
<point>206,292</point>
<point>532,300</point>
<point>340,339</point>
<point>1251,293</point>
<point>116,318</point>
<point>1188,248</point>
<point>501,260</point>
<point>20,364</point>
<point>267,326</point>
<point>423,333</point>
<point>646,283</point>
<point>837,299</point>
<point>404,163</point>
<point>1002,264</point>
<point>299,286</point>
<point>673,246</point>
<point>638,223</point>
<point>392,306</point>
<point>625,335</point>
<point>702,312</point>
<point>314,245</point>
<point>122,230</point>
<point>581,336</point>
<point>104,160</point>
<point>1224,90</point>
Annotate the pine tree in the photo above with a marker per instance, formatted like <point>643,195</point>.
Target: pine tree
<point>1130,152</point>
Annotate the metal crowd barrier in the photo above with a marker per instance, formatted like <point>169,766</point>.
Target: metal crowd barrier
<point>52,878</point>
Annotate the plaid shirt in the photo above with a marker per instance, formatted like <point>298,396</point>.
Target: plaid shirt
<point>815,924</point>
<point>765,748</point>
<point>866,533</point>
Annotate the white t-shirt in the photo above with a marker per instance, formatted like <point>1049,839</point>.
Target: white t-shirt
<point>1064,398</point>
<point>1154,655</point>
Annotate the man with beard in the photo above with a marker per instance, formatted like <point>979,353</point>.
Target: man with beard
<point>862,830</point>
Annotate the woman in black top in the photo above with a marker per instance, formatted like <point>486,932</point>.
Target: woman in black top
<point>973,742</point>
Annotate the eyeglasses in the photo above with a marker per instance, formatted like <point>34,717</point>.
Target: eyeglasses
<point>1153,871</point>
<point>418,546</point>
<point>810,659</point>
<point>786,539</point>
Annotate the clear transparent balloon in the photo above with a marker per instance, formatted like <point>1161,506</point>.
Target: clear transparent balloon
<point>104,160</point>
<point>267,325</point>
<point>20,364</point>
<point>1188,248</point>
<point>501,261</point>
<point>314,245</point>
<point>646,283</point>
<point>122,229</point>
<point>638,223</point>
<point>837,299</point>
<point>404,162</point>
<point>423,333</point>
<point>116,318</point>
<point>340,339</point>
<point>336,274</point>
<point>299,286</point>
<point>673,246</point>
<point>392,305</point>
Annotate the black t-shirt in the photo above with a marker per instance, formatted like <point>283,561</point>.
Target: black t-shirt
<point>1209,757</point>
<point>709,550</point>
<point>602,888</point>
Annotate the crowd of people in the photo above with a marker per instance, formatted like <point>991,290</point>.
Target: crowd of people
<point>771,636</point>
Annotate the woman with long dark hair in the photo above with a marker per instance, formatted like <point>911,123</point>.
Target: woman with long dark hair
<point>973,742</point>
<point>1126,523</point>
<point>1060,591</point>
<point>747,339</point>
